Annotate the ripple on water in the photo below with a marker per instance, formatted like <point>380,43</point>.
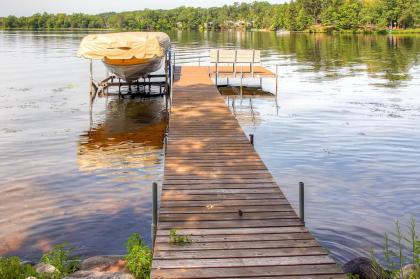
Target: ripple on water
<point>346,124</point>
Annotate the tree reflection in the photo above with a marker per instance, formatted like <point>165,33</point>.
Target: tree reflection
<point>389,57</point>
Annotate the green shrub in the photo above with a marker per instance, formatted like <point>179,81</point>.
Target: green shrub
<point>176,239</point>
<point>139,257</point>
<point>12,268</point>
<point>61,258</point>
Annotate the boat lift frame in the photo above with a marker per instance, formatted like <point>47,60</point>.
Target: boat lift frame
<point>141,87</point>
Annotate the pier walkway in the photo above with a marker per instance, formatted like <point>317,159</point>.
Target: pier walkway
<point>218,192</point>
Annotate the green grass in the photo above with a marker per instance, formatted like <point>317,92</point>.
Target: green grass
<point>139,257</point>
<point>359,30</point>
<point>176,239</point>
<point>404,31</point>
<point>12,268</point>
<point>398,251</point>
<point>61,258</point>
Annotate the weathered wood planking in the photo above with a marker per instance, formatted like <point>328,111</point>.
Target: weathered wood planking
<point>211,173</point>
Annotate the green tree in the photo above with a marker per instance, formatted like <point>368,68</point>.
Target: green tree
<point>349,15</point>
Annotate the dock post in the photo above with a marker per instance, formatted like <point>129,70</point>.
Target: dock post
<point>174,58</point>
<point>302,201</point>
<point>251,139</point>
<point>234,63</point>
<point>217,66</point>
<point>242,75</point>
<point>154,217</point>
<point>277,79</point>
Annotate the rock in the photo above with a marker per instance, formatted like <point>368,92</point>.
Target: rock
<point>45,268</point>
<point>31,277</point>
<point>92,274</point>
<point>406,271</point>
<point>364,268</point>
<point>98,262</point>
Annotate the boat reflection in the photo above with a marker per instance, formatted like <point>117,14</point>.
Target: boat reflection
<point>130,136</point>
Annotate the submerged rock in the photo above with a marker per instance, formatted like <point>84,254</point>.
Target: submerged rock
<point>45,268</point>
<point>99,262</point>
<point>406,271</point>
<point>102,267</point>
<point>92,274</point>
<point>364,268</point>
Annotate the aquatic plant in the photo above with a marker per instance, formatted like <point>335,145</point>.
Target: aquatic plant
<point>61,258</point>
<point>12,267</point>
<point>176,239</point>
<point>138,257</point>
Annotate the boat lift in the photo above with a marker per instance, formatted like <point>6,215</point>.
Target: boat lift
<point>142,87</point>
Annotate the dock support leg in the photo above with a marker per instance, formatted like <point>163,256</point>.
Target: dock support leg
<point>167,63</point>
<point>150,87</point>
<point>91,70</point>
<point>154,216</point>
<point>302,202</point>
<point>119,87</point>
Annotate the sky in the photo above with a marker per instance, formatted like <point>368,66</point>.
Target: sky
<point>29,7</point>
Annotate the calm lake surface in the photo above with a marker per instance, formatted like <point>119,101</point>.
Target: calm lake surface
<point>347,123</point>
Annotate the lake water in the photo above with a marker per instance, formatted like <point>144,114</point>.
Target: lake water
<point>346,122</point>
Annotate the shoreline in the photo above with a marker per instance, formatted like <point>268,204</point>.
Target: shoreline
<point>413,31</point>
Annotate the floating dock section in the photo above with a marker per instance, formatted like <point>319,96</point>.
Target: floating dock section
<point>218,192</point>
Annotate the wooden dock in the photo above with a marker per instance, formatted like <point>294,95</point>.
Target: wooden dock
<point>217,190</point>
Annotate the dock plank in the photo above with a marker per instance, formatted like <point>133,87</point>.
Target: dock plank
<point>218,192</point>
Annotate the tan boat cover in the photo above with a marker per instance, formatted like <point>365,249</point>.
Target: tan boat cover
<point>141,45</point>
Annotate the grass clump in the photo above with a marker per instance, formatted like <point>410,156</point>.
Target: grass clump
<point>139,257</point>
<point>13,268</point>
<point>61,258</point>
<point>176,239</point>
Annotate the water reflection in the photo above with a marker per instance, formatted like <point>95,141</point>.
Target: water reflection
<point>346,124</point>
<point>334,56</point>
<point>127,138</point>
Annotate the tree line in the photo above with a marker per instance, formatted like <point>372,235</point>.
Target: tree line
<point>296,15</point>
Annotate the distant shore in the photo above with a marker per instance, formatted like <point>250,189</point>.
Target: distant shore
<point>317,29</point>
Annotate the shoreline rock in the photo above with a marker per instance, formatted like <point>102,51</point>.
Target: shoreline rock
<point>91,274</point>
<point>45,268</point>
<point>364,268</point>
<point>102,267</point>
<point>406,271</point>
